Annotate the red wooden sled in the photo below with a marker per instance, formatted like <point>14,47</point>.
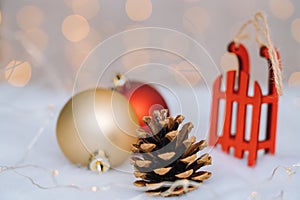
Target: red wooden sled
<point>240,97</point>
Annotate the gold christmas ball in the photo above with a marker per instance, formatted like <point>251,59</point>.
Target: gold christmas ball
<point>93,121</point>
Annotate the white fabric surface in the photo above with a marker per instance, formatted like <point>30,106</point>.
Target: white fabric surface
<point>24,111</point>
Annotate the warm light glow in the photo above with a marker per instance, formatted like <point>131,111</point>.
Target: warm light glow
<point>229,62</point>
<point>0,17</point>
<point>282,9</point>
<point>296,29</point>
<point>75,28</point>
<point>38,37</point>
<point>196,20</point>
<point>138,10</point>
<point>186,74</point>
<point>18,73</point>
<point>254,194</point>
<point>86,8</point>
<point>55,172</point>
<point>29,17</point>
<point>294,79</point>
<point>135,59</point>
<point>176,43</point>
<point>94,189</point>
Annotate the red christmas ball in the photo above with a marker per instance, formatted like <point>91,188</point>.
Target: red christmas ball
<point>143,98</point>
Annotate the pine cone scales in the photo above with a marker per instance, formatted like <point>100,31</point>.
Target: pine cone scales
<point>165,158</point>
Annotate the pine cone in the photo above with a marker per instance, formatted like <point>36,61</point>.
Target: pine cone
<point>165,159</point>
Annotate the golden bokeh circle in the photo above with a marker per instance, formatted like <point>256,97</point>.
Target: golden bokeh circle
<point>138,10</point>
<point>281,9</point>
<point>294,79</point>
<point>75,28</point>
<point>295,29</point>
<point>18,73</point>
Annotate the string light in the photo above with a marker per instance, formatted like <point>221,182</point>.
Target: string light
<point>53,173</point>
<point>173,185</point>
<point>94,189</point>
<point>291,170</point>
<point>253,195</point>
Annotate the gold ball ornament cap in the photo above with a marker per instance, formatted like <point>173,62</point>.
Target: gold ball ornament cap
<point>99,162</point>
<point>97,120</point>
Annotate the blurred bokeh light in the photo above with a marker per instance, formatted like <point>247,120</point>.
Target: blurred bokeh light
<point>138,10</point>
<point>75,28</point>
<point>59,35</point>
<point>18,73</point>
<point>296,29</point>
<point>294,79</point>
<point>282,9</point>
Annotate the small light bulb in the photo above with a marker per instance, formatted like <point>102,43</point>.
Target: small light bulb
<point>98,166</point>
<point>254,194</point>
<point>55,172</point>
<point>94,189</point>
